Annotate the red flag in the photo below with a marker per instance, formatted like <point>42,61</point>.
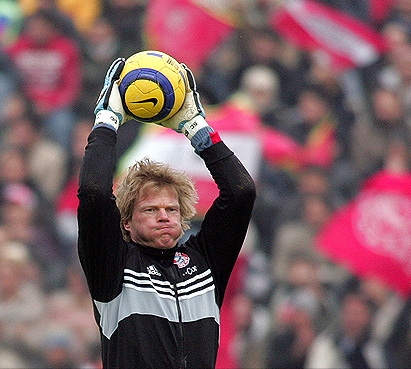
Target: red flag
<point>315,27</point>
<point>371,235</point>
<point>184,30</point>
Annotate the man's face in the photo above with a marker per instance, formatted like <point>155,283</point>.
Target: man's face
<point>156,219</point>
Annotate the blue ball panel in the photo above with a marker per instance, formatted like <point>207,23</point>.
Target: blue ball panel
<point>153,53</point>
<point>155,76</point>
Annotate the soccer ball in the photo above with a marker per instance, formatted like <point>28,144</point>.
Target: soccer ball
<point>152,86</point>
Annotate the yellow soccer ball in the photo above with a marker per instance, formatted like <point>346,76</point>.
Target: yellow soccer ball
<point>152,86</point>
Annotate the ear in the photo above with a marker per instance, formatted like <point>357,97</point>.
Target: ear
<point>126,225</point>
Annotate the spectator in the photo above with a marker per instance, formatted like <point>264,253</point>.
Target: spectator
<point>259,92</point>
<point>372,138</point>
<point>22,303</point>
<point>58,351</point>
<point>301,306</point>
<point>66,204</point>
<point>348,344</point>
<point>15,170</point>
<point>298,236</point>
<point>391,324</point>
<point>47,161</point>
<point>9,82</point>
<point>18,213</point>
<point>80,14</point>
<point>15,165</point>
<point>68,334</point>
<point>333,84</point>
<point>65,22</point>
<point>16,107</point>
<point>288,345</point>
<point>401,14</point>
<point>220,75</point>
<point>101,45</point>
<point>49,64</point>
<point>315,130</point>
<point>264,46</point>
<point>127,18</point>
<point>395,76</point>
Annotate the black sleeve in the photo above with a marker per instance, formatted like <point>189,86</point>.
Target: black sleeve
<point>100,245</point>
<point>226,222</point>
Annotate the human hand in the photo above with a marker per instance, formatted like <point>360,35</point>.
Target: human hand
<point>109,108</point>
<point>191,117</point>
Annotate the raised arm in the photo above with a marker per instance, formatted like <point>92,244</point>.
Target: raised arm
<point>225,225</point>
<point>101,247</point>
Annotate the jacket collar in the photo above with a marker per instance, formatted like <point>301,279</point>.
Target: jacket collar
<point>157,253</point>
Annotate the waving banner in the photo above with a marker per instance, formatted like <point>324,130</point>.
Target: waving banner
<point>371,236</point>
<point>184,30</point>
<point>346,41</point>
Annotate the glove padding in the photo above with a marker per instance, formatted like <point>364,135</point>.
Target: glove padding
<point>109,101</point>
<point>191,117</point>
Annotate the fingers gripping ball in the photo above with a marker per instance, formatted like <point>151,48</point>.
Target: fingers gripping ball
<point>152,86</point>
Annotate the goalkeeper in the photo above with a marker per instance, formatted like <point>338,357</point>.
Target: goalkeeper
<point>157,301</point>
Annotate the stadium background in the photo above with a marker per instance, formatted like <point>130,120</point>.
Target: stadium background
<point>313,95</point>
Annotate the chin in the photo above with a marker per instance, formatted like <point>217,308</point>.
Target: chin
<point>166,242</point>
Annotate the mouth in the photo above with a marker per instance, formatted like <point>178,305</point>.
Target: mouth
<point>165,228</point>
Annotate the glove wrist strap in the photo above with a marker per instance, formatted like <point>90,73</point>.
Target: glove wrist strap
<point>107,118</point>
<point>192,126</point>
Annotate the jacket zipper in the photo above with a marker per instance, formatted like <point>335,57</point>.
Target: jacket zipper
<point>183,358</point>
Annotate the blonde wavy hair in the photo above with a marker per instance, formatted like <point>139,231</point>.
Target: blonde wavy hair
<point>147,173</point>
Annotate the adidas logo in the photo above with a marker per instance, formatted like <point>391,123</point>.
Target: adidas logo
<point>152,270</point>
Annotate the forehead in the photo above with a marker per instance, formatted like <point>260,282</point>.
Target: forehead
<point>150,193</point>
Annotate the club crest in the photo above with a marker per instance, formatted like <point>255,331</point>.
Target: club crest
<point>181,260</point>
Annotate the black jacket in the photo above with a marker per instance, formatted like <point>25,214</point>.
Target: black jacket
<point>156,308</point>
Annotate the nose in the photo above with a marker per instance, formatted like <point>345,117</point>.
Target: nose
<point>163,215</point>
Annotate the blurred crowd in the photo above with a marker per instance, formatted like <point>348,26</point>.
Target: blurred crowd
<point>287,305</point>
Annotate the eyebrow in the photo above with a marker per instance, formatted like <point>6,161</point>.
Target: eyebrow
<point>155,205</point>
